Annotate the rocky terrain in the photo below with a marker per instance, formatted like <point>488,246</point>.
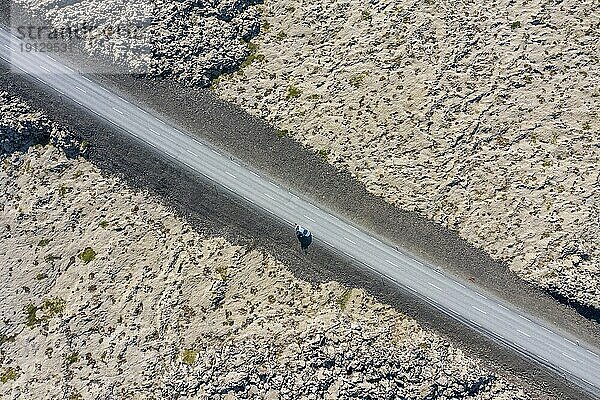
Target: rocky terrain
<point>106,294</point>
<point>193,41</point>
<point>482,117</point>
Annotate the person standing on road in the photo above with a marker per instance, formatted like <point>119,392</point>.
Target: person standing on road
<point>304,237</point>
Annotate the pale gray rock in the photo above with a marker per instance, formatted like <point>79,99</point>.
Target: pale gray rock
<point>109,295</point>
<point>20,128</point>
<point>190,40</point>
<point>480,116</point>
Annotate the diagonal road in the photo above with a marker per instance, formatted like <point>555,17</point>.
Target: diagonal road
<point>525,334</point>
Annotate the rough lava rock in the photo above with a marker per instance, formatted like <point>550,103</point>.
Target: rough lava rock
<point>190,40</point>
<point>106,294</point>
<point>480,116</point>
<point>21,128</point>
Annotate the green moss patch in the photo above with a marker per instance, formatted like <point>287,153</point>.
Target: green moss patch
<point>9,374</point>
<point>87,255</point>
<point>189,356</point>
<point>343,300</point>
<point>72,358</point>
<point>292,93</point>
<point>50,308</point>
